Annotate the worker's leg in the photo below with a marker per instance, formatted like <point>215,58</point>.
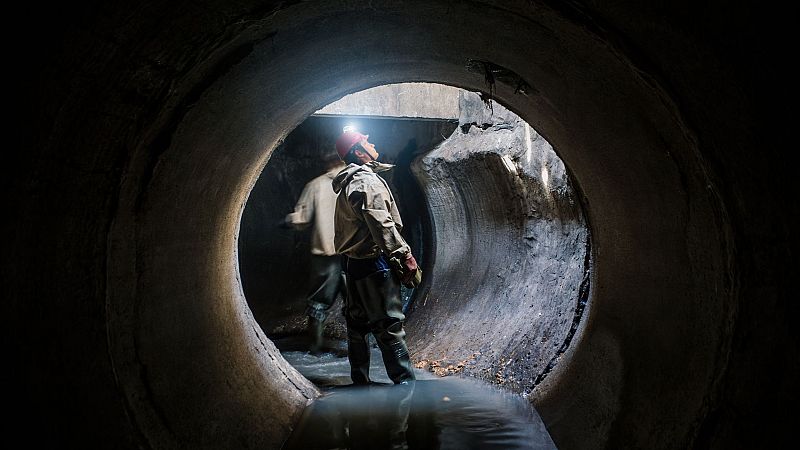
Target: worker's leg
<point>357,330</point>
<point>381,294</point>
<point>358,354</point>
<point>325,279</point>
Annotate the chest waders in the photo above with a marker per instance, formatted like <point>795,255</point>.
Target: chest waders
<point>374,306</point>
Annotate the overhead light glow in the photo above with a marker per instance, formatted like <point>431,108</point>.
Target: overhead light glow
<point>349,127</point>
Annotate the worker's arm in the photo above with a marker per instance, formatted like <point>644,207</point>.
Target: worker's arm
<point>374,206</point>
<point>303,212</point>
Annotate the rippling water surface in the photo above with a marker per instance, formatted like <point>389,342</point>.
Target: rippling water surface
<point>431,413</point>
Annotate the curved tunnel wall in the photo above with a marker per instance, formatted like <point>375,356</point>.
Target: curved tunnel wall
<point>510,281</point>
<point>122,266</point>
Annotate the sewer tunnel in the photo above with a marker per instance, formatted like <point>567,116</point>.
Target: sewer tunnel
<point>217,150</point>
<point>149,185</point>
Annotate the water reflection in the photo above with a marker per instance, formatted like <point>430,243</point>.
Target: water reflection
<point>446,413</point>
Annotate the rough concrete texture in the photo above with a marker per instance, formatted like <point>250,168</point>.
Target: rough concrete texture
<point>510,275</point>
<point>411,100</point>
<point>144,128</point>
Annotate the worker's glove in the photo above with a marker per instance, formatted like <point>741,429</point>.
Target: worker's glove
<point>410,275</point>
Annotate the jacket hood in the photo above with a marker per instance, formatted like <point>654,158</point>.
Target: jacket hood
<point>346,175</point>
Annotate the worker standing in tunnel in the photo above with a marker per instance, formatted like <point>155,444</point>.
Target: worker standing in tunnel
<point>367,233</point>
<point>316,207</point>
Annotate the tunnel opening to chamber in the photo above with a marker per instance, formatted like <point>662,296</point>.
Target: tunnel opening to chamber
<point>488,209</point>
<point>182,337</point>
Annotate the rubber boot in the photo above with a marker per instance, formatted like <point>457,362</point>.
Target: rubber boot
<point>395,357</point>
<point>358,356</point>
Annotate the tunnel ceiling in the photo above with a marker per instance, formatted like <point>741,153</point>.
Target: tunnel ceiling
<point>145,128</point>
<point>400,100</point>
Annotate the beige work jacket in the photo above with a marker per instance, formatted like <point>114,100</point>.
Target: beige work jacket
<point>367,220</point>
<point>316,206</point>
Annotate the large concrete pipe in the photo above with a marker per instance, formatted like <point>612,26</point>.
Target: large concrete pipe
<point>148,126</point>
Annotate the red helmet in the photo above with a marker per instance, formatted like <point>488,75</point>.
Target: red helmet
<point>347,140</point>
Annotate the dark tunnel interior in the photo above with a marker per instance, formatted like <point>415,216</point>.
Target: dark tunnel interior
<point>274,259</point>
<point>488,210</point>
<point>145,128</point>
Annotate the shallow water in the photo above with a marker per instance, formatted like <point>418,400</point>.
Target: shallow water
<point>431,413</point>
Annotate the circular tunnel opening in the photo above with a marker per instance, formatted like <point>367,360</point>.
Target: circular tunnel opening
<point>182,337</point>
<point>488,209</point>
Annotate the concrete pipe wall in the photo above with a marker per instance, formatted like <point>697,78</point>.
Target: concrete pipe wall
<point>146,126</point>
<point>510,280</point>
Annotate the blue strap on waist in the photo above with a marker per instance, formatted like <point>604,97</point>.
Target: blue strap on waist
<point>362,268</point>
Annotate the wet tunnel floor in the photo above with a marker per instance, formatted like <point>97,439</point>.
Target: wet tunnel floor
<point>432,413</point>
